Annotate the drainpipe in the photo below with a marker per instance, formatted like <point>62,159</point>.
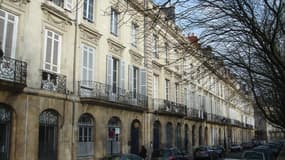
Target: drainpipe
<point>74,79</point>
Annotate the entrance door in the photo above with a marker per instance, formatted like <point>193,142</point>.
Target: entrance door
<point>156,135</point>
<point>48,135</point>
<point>135,131</point>
<point>5,132</point>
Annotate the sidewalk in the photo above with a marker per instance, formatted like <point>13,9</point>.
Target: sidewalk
<point>281,155</point>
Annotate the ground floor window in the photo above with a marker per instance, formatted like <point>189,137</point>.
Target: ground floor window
<point>114,131</point>
<point>85,136</point>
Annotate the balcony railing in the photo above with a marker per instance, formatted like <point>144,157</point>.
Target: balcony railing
<point>163,105</point>
<point>197,114</point>
<point>101,91</point>
<point>215,118</point>
<point>53,82</point>
<point>13,70</point>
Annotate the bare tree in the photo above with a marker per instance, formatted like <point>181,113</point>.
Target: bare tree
<point>246,36</point>
<point>249,37</point>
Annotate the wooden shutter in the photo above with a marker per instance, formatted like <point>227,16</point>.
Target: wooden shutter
<point>84,64</point>
<point>131,78</point>
<point>122,75</point>
<point>68,4</point>
<point>90,63</point>
<point>142,81</point>
<point>109,78</point>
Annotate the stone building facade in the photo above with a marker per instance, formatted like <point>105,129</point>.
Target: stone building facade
<point>86,79</point>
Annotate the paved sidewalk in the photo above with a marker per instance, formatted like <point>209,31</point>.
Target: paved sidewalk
<point>281,155</point>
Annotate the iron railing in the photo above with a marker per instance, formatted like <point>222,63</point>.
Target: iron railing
<point>215,118</point>
<point>13,70</point>
<point>168,106</point>
<point>53,82</point>
<point>101,91</point>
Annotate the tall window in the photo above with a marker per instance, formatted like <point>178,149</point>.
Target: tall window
<point>48,135</point>
<point>135,81</point>
<point>176,92</point>
<point>85,135</point>
<point>155,45</point>
<point>52,51</point>
<point>8,33</point>
<point>167,85</point>
<point>166,53</point>
<point>114,22</point>
<point>87,65</point>
<point>115,75</point>
<point>155,86</point>
<point>134,34</point>
<point>88,10</point>
<point>58,2</point>
<point>5,132</point>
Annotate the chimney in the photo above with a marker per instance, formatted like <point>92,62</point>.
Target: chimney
<point>193,40</point>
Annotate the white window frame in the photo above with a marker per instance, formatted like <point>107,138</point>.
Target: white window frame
<point>134,29</point>
<point>15,32</point>
<point>52,49</point>
<point>88,16</point>
<point>167,88</point>
<point>155,86</point>
<point>114,22</point>
<point>89,50</point>
<point>155,46</point>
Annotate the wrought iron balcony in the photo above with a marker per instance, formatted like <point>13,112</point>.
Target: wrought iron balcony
<point>101,91</point>
<point>216,118</point>
<point>166,106</point>
<point>13,70</point>
<point>53,82</point>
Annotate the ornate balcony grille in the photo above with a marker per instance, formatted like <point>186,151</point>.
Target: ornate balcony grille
<point>53,82</point>
<point>101,91</point>
<point>164,105</point>
<point>193,113</point>
<point>13,70</point>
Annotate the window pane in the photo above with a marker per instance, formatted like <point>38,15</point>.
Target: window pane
<point>85,59</point>
<point>90,60</point>
<point>48,50</point>
<point>9,39</point>
<point>10,17</point>
<point>85,134</point>
<point>1,31</point>
<point>84,74</point>
<point>55,52</point>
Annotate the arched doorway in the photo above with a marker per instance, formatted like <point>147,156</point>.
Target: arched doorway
<point>135,137</point>
<point>200,135</point>
<point>220,136</point>
<point>85,136</point>
<point>156,135</point>
<point>169,135</point>
<point>178,136</point>
<point>48,132</point>
<point>206,135</point>
<point>186,139</point>
<point>5,132</point>
<point>114,131</point>
<point>193,135</point>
